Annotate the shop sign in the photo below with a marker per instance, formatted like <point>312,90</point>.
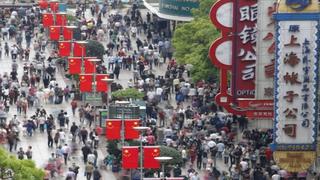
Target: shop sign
<point>296,76</point>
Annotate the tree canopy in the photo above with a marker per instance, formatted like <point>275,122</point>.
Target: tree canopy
<point>192,41</point>
<point>22,169</point>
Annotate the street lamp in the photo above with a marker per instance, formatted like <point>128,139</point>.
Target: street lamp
<point>163,160</point>
<point>122,103</point>
<point>94,61</point>
<point>141,129</point>
<point>109,82</point>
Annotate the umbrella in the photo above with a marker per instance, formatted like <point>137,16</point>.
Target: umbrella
<point>211,144</point>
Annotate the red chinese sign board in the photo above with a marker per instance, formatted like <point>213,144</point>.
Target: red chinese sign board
<point>244,54</point>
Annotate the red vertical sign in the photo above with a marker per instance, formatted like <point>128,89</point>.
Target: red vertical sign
<point>244,43</point>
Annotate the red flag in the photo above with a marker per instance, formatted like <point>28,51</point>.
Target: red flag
<point>61,19</point>
<point>149,153</point>
<point>79,50</point>
<point>54,33</point>
<point>54,6</point>
<point>47,19</point>
<point>102,86</point>
<point>64,48</point>
<point>113,129</point>
<point>85,83</point>
<point>130,157</point>
<point>43,4</point>
<point>89,67</point>
<point>131,133</point>
<point>67,33</point>
<point>74,65</point>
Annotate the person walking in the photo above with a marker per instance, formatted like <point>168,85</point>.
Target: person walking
<point>89,170</point>
<point>96,174</point>
<point>29,152</point>
<point>65,151</point>
<point>20,153</point>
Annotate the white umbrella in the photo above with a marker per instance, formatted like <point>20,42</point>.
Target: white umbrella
<point>211,144</point>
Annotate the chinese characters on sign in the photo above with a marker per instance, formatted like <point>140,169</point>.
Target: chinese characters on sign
<point>244,61</point>
<point>296,85</point>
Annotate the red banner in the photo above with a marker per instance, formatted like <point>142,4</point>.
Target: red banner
<point>54,33</point>
<point>74,65</point>
<point>79,50</point>
<point>47,19</point>
<point>244,54</point>
<point>43,4</point>
<point>130,157</point>
<point>102,86</point>
<point>89,67</point>
<point>67,33</point>
<point>54,6</point>
<point>113,129</point>
<point>131,133</point>
<point>149,153</point>
<point>64,48</point>
<point>61,19</point>
<point>85,83</point>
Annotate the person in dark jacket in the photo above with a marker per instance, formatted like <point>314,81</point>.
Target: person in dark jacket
<point>116,71</point>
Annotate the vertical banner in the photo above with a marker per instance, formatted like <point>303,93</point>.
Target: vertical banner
<point>79,50</point>
<point>131,133</point>
<point>43,4</point>
<point>244,45</point>
<point>47,19</point>
<point>113,129</point>
<point>54,6</point>
<point>89,67</point>
<point>130,157</point>
<point>74,65</point>
<point>54,33</point>
<point>102,86</point>
<point>61,19</point>
<point>67,33</point>
<point>296,84</point>
<point>85,83</point>
<point>64,48</point>
<point>265,50</point>
<point>149,153</point>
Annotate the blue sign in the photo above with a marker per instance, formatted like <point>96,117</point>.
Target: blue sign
<point>298,5</point>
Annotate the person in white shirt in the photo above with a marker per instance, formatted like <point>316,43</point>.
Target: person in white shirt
<point>66,151</point>
<point>275,177</point>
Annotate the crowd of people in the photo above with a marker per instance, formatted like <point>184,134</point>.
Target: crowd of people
<point>182,114</point>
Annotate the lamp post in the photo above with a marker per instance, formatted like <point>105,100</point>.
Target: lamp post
<point>122,103</point>
<point>109,82</point>
<point>141,129</point>
<point>94,61</point>
<point>163,160</point>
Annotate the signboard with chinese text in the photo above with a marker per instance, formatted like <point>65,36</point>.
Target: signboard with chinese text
<point>244,48</point>
<point>296,76</point>
<point>265,50</point>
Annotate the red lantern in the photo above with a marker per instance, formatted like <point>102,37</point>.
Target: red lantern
<point>54,33</point>
<point>113,129</point>
<point>85,83</point>
<point>79,50</point>
<point>64,48</point>
<point>131,133</point>
<point>47,19</point>
<point>130,157</point>
<point>102,86</point>
<point>74,65</point>
<point>67,33</point>
<point>61,19</point>
<point>149,153</point>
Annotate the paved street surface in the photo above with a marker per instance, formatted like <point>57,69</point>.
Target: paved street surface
<point>38,141</point>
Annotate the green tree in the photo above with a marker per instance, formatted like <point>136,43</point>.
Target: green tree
<point>22,169</point>
<point>192,41</point>
<point>126,94</point>
<point>95,49</point>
